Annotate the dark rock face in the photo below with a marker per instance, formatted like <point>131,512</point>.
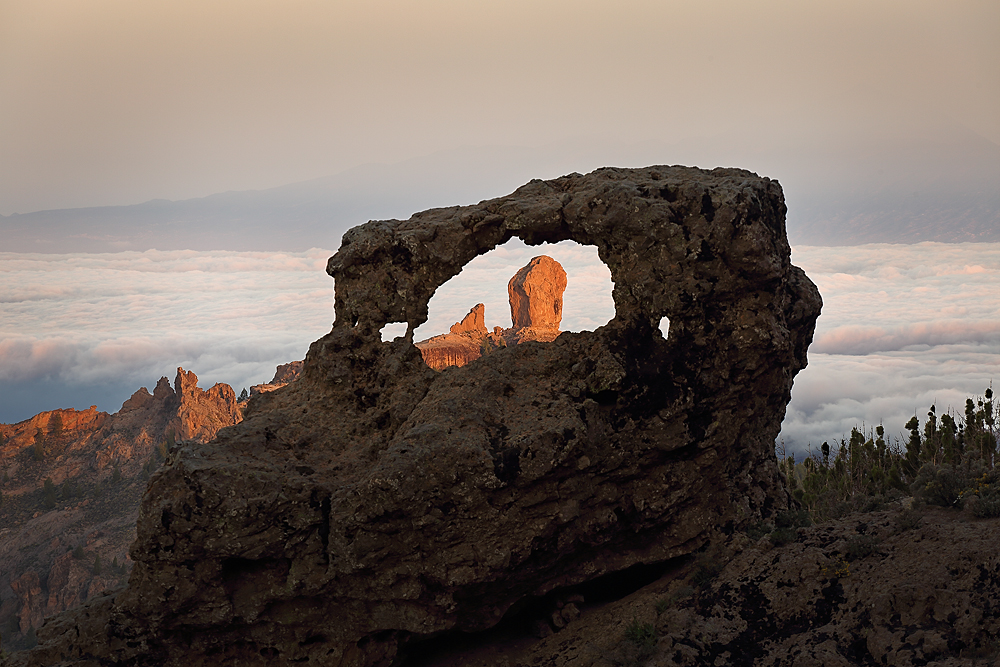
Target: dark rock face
<point>374,501</point>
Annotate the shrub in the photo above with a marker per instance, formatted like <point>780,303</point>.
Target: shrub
<point>681,593</point>
<point>642,635</point>
<point>706,570</point>
<point>861,546</point>
<point>783,536</point>
<point>985,496</point>
<point>838,568</point>
<point>49,494</point>
<point>940,485</point>
<point>987,508</point>
<point>759,530</point>
<point>908,520</point>
<point>793,519</point>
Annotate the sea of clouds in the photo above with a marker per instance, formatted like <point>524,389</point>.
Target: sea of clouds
<point>903,326</point>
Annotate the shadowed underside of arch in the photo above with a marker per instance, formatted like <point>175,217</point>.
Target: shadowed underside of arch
<point>375,501</point>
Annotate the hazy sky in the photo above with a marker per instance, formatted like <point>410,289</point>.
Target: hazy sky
<point>118,101</point>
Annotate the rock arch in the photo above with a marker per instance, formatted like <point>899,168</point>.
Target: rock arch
<point>374,501</point>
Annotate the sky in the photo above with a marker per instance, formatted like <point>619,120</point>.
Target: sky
<point>113,102</point>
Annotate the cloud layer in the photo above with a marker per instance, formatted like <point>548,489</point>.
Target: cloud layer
<point>107,324</point>
<point>903,326</point>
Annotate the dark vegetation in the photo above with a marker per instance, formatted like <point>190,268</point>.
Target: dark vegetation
<point>950,461</point>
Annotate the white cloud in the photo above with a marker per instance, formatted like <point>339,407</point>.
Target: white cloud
<point>903,327</point>
<point>125,319</point>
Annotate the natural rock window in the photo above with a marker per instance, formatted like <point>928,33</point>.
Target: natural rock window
<point>665,327</point>
<point>392,331</point>
<point>374,503</point>
<point>513,294</point>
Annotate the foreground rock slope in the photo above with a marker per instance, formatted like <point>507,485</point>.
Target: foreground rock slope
<point>375,502</point>
<point>889,587</point>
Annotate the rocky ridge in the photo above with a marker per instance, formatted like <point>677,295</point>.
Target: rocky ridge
<point>375,503</point>
<point>61,547</point>
<point>284,374</point>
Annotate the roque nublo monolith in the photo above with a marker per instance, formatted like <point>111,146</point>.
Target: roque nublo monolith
<point>375,502</point>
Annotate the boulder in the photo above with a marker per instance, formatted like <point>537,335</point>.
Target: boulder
<point>374,502</point>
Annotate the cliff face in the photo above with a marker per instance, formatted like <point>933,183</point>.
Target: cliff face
<point>464,343</point>
<point>283,374</point>
<point>924,595</point>
<point>60,546</point>
<point>374,502</point>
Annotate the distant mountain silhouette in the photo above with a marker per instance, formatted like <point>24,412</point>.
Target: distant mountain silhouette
<point>945,189</point>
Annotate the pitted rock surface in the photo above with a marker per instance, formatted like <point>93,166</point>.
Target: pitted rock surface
<point>374,501</point>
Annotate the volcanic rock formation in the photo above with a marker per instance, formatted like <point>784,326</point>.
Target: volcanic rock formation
<point>375,502</point>
<point>283,374</point>
<point>465,342</point>
<point>887,587</point>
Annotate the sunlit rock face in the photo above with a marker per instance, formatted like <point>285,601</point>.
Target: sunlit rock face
<point>464,343</point>
<point>85,449</point>
<point>283,374</point>
<point>536,300</point>
<point>374,501</point>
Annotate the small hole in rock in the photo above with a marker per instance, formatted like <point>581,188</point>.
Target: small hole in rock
<point>476,304</point>
<point>665,327</point>
<point>392,331</point>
